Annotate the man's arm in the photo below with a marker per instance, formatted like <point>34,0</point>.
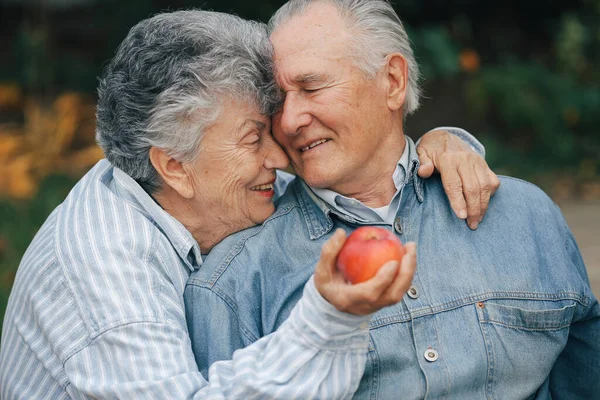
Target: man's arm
<point>576,373</point>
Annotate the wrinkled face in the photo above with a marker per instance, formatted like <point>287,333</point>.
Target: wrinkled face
<point>234,172</point>
<point>334,120</point>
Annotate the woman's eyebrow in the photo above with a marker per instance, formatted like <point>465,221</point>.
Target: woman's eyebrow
<point>259,124</point>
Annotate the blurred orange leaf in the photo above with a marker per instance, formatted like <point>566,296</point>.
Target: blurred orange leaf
<point>55,137</point>
<point>9,145</point>
<point>10,95</point>
<point>17,180</point>
<point>469,60</point>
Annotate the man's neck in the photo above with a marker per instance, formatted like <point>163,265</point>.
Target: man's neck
<point>376,188</point>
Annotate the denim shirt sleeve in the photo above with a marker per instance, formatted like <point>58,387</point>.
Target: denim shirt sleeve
<point>576,373</point>
<point>214,327</point>
<point>318,352</point>
<point>462,134</point>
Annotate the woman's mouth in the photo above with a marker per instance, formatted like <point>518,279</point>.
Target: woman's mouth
<point>265,190</point>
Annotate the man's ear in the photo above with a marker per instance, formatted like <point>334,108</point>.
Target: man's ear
<point>397,77</point>
<point>172,172</point>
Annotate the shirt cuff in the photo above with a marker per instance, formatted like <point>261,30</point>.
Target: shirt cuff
<point>324,326</point>
<point>475,144</point>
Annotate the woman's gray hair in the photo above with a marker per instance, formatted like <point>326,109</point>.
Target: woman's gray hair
<point>378,33</point>
<point>168,79</point>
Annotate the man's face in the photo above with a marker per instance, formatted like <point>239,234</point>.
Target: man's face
<point>335,121</point>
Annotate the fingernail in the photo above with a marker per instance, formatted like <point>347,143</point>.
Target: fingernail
<point>480,219</point>
<point>474,225</point>
<point>462,214</point>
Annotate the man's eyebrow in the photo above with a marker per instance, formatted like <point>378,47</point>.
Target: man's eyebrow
<point>309,78</point>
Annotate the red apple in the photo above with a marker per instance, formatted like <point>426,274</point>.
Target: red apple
<point>366,250</point>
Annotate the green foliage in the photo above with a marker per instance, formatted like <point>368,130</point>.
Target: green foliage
<point>570,44</point>
<point>532,101</point>
<point>545,113</point>
<point>34,58</point>
<point>436,53</point>
<point>535,107</point>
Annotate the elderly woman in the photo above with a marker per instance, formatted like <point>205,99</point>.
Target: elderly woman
<point>97,309</point>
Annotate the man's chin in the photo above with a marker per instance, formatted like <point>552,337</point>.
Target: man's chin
<point>317,180</point>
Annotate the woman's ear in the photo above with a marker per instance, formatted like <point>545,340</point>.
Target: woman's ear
<point>397,78</point>
<point>172,172</point>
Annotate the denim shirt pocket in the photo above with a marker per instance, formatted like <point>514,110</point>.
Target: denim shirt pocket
<point>523,339</point>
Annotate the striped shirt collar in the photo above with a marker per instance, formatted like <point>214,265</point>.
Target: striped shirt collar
<point>182,240</point>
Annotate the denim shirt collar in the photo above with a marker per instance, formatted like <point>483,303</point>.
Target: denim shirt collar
<point>182,240</point>
<point>317,213</point>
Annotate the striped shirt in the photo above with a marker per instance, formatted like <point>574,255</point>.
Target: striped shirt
<point>97,311</point>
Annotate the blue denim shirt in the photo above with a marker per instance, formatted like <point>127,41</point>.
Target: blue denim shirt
<point>503,312</point>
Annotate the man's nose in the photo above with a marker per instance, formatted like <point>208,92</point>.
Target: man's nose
<point>295,114</point>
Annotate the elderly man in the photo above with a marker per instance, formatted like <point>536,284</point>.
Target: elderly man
<point>505,311</point>
<point>97,306</point>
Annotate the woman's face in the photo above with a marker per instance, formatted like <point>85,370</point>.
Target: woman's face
<point>234,172</point>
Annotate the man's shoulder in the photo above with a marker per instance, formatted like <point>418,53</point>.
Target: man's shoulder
<point>251,248</point>
<point>519,212</point>
<point>525,201</point>
<point>519,189</point>
<point>515,196</point>
<point>523,235</point>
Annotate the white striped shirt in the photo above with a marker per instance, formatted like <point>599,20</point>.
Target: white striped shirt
<point>97,311</point>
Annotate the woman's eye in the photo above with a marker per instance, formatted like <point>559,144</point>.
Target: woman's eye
<point>252,139</point>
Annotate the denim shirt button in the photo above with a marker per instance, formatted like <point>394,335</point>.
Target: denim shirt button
<point>398,226</point>
<point>431,355</point>
<point>413,293</point>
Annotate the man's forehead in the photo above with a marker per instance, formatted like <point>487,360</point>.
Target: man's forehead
<point>319,25</point>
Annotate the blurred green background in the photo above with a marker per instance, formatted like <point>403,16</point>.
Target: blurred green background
<point>523,76</point>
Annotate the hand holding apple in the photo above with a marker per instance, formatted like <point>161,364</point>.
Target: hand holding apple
<point>386,288</point>
<point>366,250</point>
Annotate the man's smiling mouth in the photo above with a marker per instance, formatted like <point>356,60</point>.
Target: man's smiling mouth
<point>313,144</point>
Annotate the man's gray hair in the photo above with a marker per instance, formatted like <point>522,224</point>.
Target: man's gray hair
<point>168,79</point>
<point>378,33</point>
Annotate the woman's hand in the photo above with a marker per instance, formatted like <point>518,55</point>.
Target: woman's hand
<point>467,179</point>
<point>384,289</point>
